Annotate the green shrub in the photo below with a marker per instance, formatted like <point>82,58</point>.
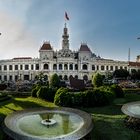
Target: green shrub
<point>100,98</point>
<point>4,97</point>
<point>54,81</point>
<point>51,94</point>
<point>117,90</point>
<point>42,92</point>
<point>3,86</point>
<point>35,90</point>
<point>62,89</point>
<point>77,98</point>
<point>62,97</point>
<point>97,80</point>
<point>46,93</point>
<point>89,98</point>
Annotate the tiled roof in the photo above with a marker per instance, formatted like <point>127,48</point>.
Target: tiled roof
<point>134,64</point>
<point>46,46</point>
<point>84,47</point>
<point>15,58</point>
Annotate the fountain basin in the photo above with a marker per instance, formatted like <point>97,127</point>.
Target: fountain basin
<point>132,109</point>
<point>71,124</point>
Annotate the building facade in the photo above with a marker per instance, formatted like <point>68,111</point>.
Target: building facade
<point>80,64</point>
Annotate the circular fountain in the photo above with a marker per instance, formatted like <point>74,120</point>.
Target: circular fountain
<point>132,110</point>
<point>48,124</point>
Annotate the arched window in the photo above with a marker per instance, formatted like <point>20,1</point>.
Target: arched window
<point>60,66</point>
<point>65,77</point>
<point>37,66</point>
<point>85,77</point>
<point>84,67</point>
<point>97,67</point>
<point>5,67</point>
<point>26,67</point>
<point>116,67</point>
<point>60,77</point>
<point>65,66</point>
<point>54,67</point>
<point>76,67</point>
<point>111,68</point>
<point>106,67</point>
<point>93,67</point>
<point>46,66</point>
<point>70,76</point>
<point>71,66</point>
<point>102,67</point>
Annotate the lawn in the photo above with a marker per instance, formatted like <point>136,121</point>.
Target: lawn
<point>15,104</point>
<point>108,120</point>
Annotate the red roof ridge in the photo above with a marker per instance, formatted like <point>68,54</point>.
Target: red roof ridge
<point>134,63</point>
<point>84,47</point>
<point>46,46</point>
<point>22,58</point>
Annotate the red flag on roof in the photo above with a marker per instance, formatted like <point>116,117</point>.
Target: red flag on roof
<point>66,16</point>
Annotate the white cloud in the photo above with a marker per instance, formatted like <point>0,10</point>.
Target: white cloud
<point>15,40</point>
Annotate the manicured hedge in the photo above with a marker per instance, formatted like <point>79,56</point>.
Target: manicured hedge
<point>131,91</point>
<point>3,86</point>
<point>47,93</point>
<point>117,91</point>
<point>4,97</point>
<point>58,99</point>
<point>35,90</point>
<point>89,98</point>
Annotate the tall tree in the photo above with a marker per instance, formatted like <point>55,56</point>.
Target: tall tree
<point>121,73</point>
<point>54,81</point>
<point>97,80</point>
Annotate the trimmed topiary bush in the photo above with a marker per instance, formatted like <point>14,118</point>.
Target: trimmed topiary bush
<point>42,92</point>
<point>3,86</point>
<point>46,93</point>
<point>101,97</point>
<point>35,90</point>
<point>89,98</point>
<point>51,94</point>
<point>97,80</point>
<point>61,97</point>
<point>54,81</point>
<point>4,97</point>
<point>77,98</point>
<point>117,90</point>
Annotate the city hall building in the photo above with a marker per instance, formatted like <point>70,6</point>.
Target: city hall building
<point>80,64</point>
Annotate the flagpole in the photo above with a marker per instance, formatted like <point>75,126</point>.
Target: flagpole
<point>66,18</point>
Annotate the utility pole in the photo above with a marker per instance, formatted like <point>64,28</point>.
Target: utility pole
<point>129,55</point>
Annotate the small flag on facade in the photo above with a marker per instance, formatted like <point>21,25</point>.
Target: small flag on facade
<point>66,16</point>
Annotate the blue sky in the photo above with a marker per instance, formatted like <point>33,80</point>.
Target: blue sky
<point>109,27</point>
